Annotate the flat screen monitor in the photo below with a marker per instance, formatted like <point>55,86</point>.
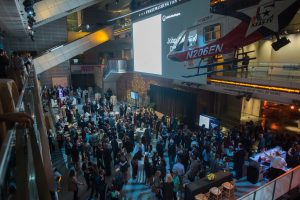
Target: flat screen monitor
<point>208,121</point>
<point>134,95</point>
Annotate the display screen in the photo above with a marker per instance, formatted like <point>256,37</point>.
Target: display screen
<point>175,28</point>
<point>134,95</point>
<point>156,34</point>
<point>147,45</point>
<point>208,121</point>
<point>203,120</point>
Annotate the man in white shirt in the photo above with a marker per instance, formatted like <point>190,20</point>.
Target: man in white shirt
<point>277,166</point>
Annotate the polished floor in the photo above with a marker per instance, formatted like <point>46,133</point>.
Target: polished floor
<point>135,189</point>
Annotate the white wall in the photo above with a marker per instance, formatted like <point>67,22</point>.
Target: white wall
<point>287,54</point>
<point>250,109</point>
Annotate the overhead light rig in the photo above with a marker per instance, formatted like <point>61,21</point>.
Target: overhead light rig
<point>28,7</point>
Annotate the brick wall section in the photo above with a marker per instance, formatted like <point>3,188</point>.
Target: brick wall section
<point>124,83</point>
<point>98,73</point>
<point>61,70</point>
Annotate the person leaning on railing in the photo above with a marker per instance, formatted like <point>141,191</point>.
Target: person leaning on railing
<point>17,70</point>
<point>22,118</point>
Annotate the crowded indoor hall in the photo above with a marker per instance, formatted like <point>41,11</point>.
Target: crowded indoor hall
<point>149,99</point>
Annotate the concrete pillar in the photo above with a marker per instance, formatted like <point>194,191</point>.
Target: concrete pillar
<point>40,118</point>
<point>98,74</point>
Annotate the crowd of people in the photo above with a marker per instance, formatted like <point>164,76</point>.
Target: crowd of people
<point>112,145</point>
<point>15,67</point>
<point>139,145</point>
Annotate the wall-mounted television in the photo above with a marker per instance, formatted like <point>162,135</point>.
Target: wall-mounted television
<point>134,95</point>
<point>208,121</point>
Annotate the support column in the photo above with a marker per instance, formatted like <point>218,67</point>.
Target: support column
<point>41,125</point>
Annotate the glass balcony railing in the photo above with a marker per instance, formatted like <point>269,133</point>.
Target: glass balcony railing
<point>277,188</point>
<point>117,66</point>
<point>281,72</point>
<point>22,164</point>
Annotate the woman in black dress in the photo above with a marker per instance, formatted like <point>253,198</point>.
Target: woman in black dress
<point>148,170</point>
<point>134,165</point>
<point>168,188</point>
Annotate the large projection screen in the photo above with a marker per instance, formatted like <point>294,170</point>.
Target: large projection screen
<point>147,45</point>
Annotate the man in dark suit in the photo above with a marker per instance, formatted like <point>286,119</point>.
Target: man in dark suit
<point>4,62</point>
<point>239,159</point>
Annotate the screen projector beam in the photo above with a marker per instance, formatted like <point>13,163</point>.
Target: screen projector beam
<point>147,45</point>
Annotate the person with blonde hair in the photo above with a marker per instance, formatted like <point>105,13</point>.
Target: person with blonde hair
<point>157,182</point>
<point>168,188</point>
<point>73,184</point>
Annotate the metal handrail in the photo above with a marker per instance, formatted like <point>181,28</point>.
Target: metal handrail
<point>292,171</point>
<point>267,71</point>
<point>17,139</point>
<point>115,66</point>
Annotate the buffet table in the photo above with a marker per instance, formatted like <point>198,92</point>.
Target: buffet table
<point>263,156</point>
<point>203,185</point>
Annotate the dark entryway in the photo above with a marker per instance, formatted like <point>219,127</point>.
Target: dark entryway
<point>83,80</point>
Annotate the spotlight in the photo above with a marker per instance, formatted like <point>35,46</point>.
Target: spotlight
<point>248,96</point>
<point>31,35</point>
<point>28,3</point>
<point>280,43</point>
<point>239,96</point>
<point>292,107</point>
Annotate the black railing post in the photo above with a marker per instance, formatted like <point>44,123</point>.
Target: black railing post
<point>41,179</point>
<point>21,165</point>
<point>41,125</point>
